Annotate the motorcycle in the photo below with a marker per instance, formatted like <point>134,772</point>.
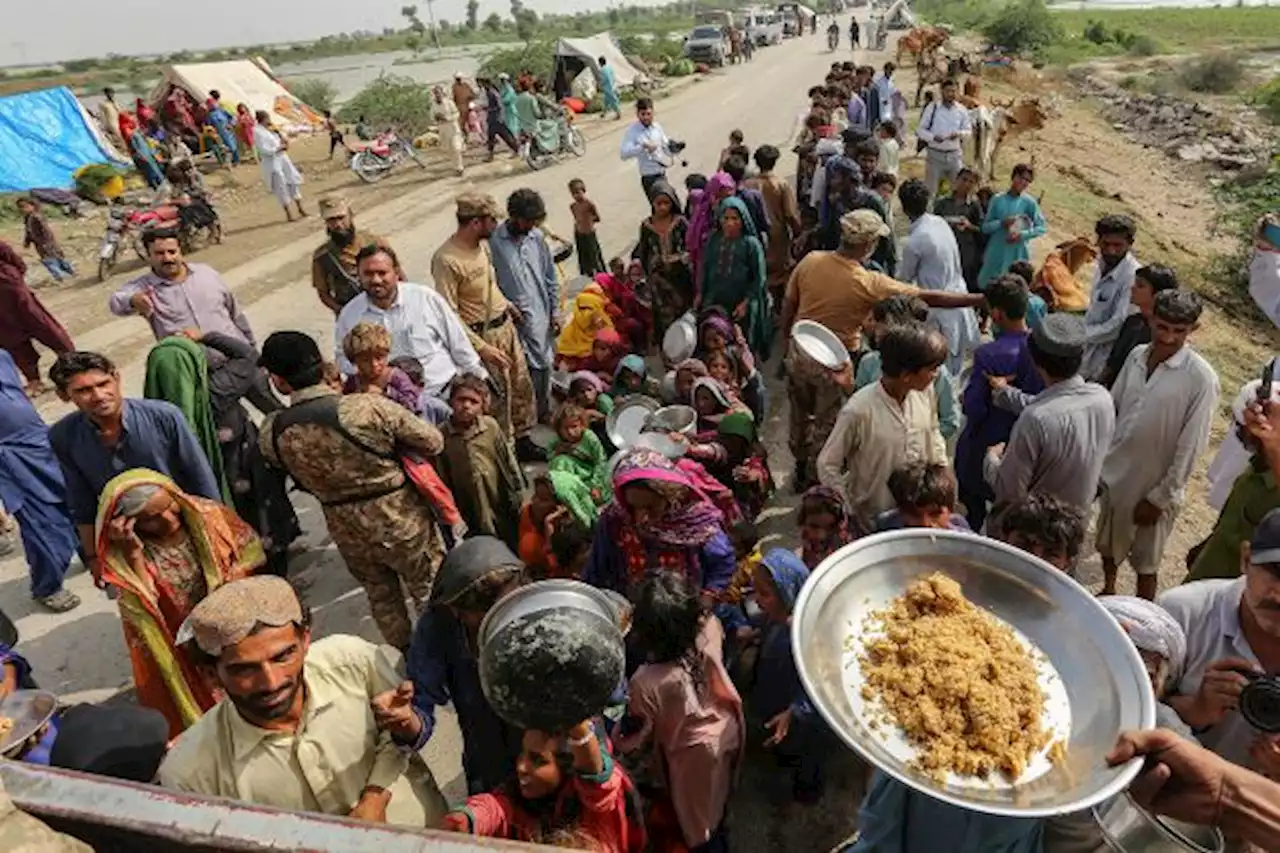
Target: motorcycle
<point>569,140</point>
<point>375,162</point>
<point>130,224</point>
<point>119,224</point>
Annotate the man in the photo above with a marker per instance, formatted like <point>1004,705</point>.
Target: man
<point>452,137</point>
<point>500,116</point>
<point>527,278</point>
<point>647,144</point>
<point>282,178</point>
<point>296,729</point>
<point>838,291</point>
<point>1054,446</point>
<point>1254,493</point>
<point>1232,628</point>
<point>943,128</point>
<point>462,95</point>
<point>346,452</point>
<point>421,322</point>
<point>1136,328</point>
<point>609,91</point>
<point>884,90</point>
<point>783,215</point>
<point>109,118</point>
<point>736,168</point>
<point>333,265</point>
<point>1165,397</point>
<point>109,435</point>
<point>931,259</point>
<point>463,274</point>
<point>886,424</point>
<point>853,32</point>
<point>963,212</point>
<point>1109,296</point>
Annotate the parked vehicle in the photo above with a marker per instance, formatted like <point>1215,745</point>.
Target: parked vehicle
<point>762,26</point>
<point>707,44</point>
<point>119,225</point>
<point>569,141</point>
<point>130,225</point>
<point>375,161</point>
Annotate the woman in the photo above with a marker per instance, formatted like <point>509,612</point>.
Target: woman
<point>164,551</point>
<point>278,171</point>
<point>445,114</point>
<point>733,276</point>
<point>24,319</point>
<point>143,111</point>
<point>211,372</point>
<point>140,149</point>
<point>824,524</point>
<point>659,519</point>
<point>1013,220</point>
<point>662,254</point>
<point>244,129</point>
<point>589,314</point>
<point>702,220</point>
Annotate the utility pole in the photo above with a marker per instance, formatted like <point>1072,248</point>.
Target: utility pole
<point>431,16</point>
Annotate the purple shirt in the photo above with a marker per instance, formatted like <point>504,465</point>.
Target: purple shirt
<point>400,389</point>
<point>987,425</point>
<point>202,301</point>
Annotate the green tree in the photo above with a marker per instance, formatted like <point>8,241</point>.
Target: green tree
<point>493,23</point>
<point>526,25</point>
<point>1024,26</point>
<point>473,14</point>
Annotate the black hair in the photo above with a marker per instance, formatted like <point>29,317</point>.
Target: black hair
<point>111,93</point>
<point>485,591</point>
<point>1178,306</point>
<point>695,181</point>
<point>866,148</point>
<point>377,249</point>
<point>69,365</point>
<point>889,126</point>
<point>1116,223</point>
<point>568,541</point>
<point>667,620</point>
<point>879,179</point>
<point>1009,293</point>
<point>1023,270</point>
<point>644,104</point>
<point>1025,169</point>
<point>1056,366</point>
<point>914,196</point>
<point>736,135</point>
<point>215,94</point>
<point>577,182</point>
<point>1159,277</point>
<point>745,533</point>
<point>601,60</point>
<point>735,167</point>
<point>527,204</point>
<point>907,349</point>
<point>889,66</point>
<point>1052,525</point>
<point>149,238</point>
<point>767,157</point>
<point>327,113</point>
<point>411,367</point>
<point>921,484</point>
<point>966,171</point>
<point>470,382</point>
<point>900,309</point>
<point>949,83</point>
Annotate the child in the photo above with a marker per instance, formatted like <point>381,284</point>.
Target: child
<point>890,149</point>
<point>630,318</point>
<point>434,410</point>
<point>585,218</point>
<point>884,184</point>
<point>1043,526</point>
<point>564,787</point>
<point>987,425</point>
<point>746,547</point>
<point>333,376</point>
<point>684,717</point>
<point>1147,282</point>
<point>38,234</point>
<point>1037,308</point>
<point>899,310</point>
<point>578,451</point>
<point>722,368</point>
<point>735,148</point>
<point>571,546</point>
<point>687,372</point>
<point>632,377</point>
<point>695,184</point>
<point>587,391</point>
<point>747,463</point>
<point>559,501</point>
<point>718,334</point>
<point>478,465</point>
<point>925,494</point>
<point>712,403</point>
<point>798,737</point>
<point>367,346</point>
<point>824,524</point>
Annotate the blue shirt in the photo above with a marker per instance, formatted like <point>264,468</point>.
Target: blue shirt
<point>987,425</point>
<point>526,275</point>
<point>153,434</point>
<point>28,469</point>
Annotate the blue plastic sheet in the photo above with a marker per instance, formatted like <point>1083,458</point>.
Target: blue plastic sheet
<point>44,139</point>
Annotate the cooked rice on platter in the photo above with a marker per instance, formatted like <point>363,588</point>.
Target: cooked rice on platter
<point>6,726</point>
<point>959,684</point>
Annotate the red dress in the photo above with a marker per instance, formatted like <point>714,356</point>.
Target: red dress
<point>23,318</point>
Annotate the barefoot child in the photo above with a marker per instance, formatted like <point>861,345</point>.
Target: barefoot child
<point>585,218</point>
<point>38,235</point>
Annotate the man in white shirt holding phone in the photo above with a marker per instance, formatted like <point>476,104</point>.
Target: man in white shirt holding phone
<point>943,128</point>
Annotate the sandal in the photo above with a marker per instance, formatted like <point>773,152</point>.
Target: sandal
<point>61,601</point>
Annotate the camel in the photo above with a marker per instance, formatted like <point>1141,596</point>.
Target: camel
<point>921,42</point>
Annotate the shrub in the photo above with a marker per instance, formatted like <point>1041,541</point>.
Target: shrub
<point>1141,44</point>
<point>1023,26</point>
<point>1216,73</point>
<point>1267,100</point>
<point>315,93</point>
<point>538,56</point>
<point>1096,32</point>
<point>392,101</point>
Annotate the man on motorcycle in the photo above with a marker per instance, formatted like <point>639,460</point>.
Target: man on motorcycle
<point>184,189</point>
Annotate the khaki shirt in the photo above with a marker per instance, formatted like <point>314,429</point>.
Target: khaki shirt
<point>830,289</point>
<point>323,766</point>
<point>326,279</point>
<point>465,278</point>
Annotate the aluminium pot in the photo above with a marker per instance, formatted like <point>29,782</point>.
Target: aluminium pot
<point>1129,828</point>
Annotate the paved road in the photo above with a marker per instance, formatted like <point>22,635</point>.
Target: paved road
<point>81,655</point>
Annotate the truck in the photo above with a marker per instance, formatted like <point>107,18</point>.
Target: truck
<point>762,26</point>
<point>707,44</point>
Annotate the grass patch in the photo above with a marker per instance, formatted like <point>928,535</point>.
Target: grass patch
<point>1185,30</point>
<point>1214,73</point>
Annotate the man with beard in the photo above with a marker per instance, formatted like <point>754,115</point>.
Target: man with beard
<point>463,272</point>
<point>296,729</point>
<point>1109,296</point>
<point>333,266</point>
<point>527,277</point>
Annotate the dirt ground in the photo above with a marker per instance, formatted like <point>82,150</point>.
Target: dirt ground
<point>1085,170</point>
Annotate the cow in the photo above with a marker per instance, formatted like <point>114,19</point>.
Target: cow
<point>933,70</point>
<point>921,42</point>
<point>996,125</point>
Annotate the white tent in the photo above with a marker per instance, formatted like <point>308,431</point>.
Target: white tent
<point>238,81</point>
<point>573,56</point>
<point>899,16</point>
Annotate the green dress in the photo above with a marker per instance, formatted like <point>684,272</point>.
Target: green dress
<point>734,270</point>
<point>587,461</point>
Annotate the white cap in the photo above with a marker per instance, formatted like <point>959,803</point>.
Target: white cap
<point>457,75</point>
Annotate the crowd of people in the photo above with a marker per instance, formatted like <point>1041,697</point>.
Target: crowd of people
<point>415,434</point>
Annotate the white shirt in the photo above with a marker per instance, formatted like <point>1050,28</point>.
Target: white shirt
<point>422,326</point>
<point>931,259</point>
<point>940,120</point>
<point>652,162</point>
<point>1209,613</point>
<point>1162,425</point>
<point>1108,308</point>
<point>890,153</point>
<point>1264,282</point>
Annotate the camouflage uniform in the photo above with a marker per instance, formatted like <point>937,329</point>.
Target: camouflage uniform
<point>382,526</point>
<point>21,833</point>
<point>333,268</point>
<point>815,403</point>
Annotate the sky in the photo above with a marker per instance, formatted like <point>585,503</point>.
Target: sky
<point>71,29</point>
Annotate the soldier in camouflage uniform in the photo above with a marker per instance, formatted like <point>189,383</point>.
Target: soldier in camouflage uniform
<point>346,452</point>
<point>333,264</point>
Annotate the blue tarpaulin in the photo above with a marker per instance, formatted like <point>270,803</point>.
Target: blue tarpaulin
<point>44,138</point>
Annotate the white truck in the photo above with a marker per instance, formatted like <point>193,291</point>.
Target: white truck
<point>762,26</point>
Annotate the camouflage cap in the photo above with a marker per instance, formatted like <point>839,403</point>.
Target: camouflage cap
<point>231,612</point>
<point>334,205</point>
<point>863,226</point>
<point>476,205</point>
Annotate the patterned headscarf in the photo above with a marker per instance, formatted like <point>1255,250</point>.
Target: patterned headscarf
<point>713,385</point>
<point>588,377</point>
<point>825,499</point>
<point>694,365</point>
<point>788,573</point>
<point>719,322</point>
<point>589,315</point>
<point>703,219</point>
<point>690,519</point>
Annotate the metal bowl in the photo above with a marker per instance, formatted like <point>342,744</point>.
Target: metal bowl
<point>662,443</point>
<point>674,419</point>
<point>681,339</point>
<point>1129,828</point>
<point>29,710</point>
<point>625,423</point>
<point>1104,684</point>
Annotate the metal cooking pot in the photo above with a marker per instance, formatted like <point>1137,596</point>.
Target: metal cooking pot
<point>1129,828</point>
<point>551,654</point>
<point>677,418</point>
